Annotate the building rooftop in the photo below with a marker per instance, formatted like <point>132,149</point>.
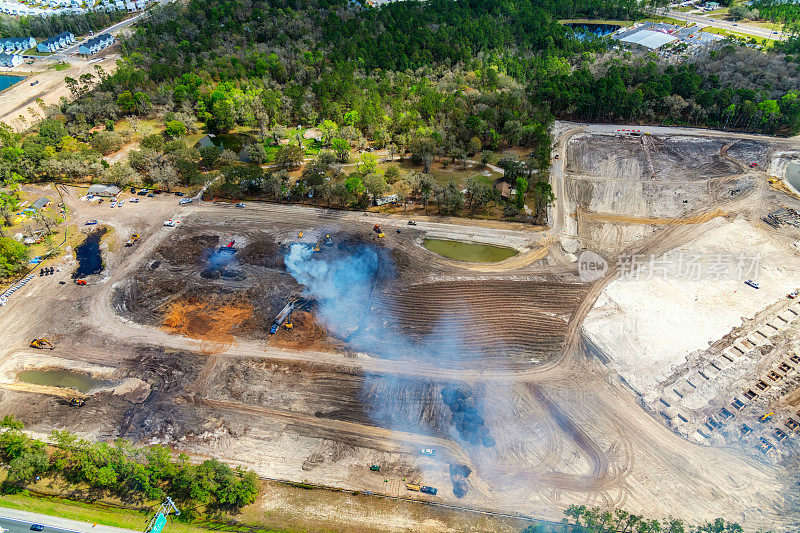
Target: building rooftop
<point>648,38</point>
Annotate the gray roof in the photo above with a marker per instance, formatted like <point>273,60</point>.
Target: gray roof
<point>104,190</point>
<point>649,38</point>
<point>40,203</point>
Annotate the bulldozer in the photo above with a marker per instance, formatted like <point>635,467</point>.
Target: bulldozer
<point>42,344</point>
<point>77,402</point>
<point>289,326</point>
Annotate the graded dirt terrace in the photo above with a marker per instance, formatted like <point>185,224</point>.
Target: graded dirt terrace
<point>505,381</point>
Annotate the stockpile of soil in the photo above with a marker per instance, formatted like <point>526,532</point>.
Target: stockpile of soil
<point>263,252</point>
<point>188,249</point>
<point>213,319</point>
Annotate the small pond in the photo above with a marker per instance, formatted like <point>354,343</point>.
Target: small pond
<point>793,174</point>
<point>90,260</point>
<point>234,143</point>
<point>468,251</point>
<point>62,378</point>
<point>7,81</point>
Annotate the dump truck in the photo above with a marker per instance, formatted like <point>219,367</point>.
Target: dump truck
<point>130,242</point>
<point>42,344</point>
<point>428,490</point>
<point>413,486</point>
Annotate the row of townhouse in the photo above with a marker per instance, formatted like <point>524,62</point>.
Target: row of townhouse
<point>10,60</point>
<point>55,43</point>
<point>17,44</point>
<point>95,44</point>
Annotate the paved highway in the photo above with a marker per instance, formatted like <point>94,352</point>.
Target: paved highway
<point>18,521</point>
<point>747,29</point>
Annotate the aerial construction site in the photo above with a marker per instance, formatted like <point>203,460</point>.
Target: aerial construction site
<point>332,348</point>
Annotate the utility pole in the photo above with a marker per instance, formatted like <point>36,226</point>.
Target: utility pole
<point>158,522</point>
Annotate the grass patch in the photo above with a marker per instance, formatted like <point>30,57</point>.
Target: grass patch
<point>34,52</point>
<point>60,66</point>
<point>739,36</point>
<point>667,20</point>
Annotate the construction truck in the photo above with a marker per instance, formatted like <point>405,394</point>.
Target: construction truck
<point>428,490</point>
<point>42,344</point>
<point>130,242</point>
<point>377,229</point>
<point>413,486</point>
<point>80,282</point>
<point>283,315</point>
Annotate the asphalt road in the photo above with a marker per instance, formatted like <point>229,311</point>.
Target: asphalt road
<point>18,521</point>
<point>747,29</point>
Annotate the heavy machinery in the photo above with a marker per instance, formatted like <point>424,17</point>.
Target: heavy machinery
<point>413,486</point>
<point>42,344</point>
<point>428,490</point>
<point>283,315</point>
<point>377,229</point>
<point>135,237</point>
<point>766,417</point>
<point>77,402</point>
<point>289,326</point>
<point>326,240</point>
<point>427,451</point>
<point>80,282</point>
<point>375,468</point>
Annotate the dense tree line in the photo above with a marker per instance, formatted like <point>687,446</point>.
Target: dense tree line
<point>136,475</point>
<point>582,519</point>
<point>45,27</point>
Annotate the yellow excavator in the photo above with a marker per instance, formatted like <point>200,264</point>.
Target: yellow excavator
<point>42,344</point>
<point>326,240</point>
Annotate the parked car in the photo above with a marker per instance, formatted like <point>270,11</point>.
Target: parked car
<point>751,283</point>
<point>37,527</point>
<point>185,201</point>
<point>412,223</point>
<point>91,222</point>
<point>134,200</point>
<point>240,204</point>
<point>150,195</point>
<point>171,223</point>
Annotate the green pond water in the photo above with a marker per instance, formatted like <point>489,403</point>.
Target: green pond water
<point>468,251</point>
<point>62,378</point>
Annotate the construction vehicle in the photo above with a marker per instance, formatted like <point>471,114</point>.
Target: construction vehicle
<point>377,229</point>
<point>80,282</point>
<point>751,283</point>
<point>326,240</point>
<point>289,326</point>
<point>130,242</point>
<point>428,490</point>
<point>283,315</point>
<point>375,468</point>
<point>766,417</point>
<point>792,295</point>
<point>91,222</point>
<point>412,223</point>
<point>42,344</point>
<point>273,329</point>
<point>413,486</point>
<point>77,402</point>
<point>427,451</point>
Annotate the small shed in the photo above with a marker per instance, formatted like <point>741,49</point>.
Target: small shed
<point>41,203</point>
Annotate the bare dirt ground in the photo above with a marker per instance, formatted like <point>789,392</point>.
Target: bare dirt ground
<point>523,413</point>
<point>49,88</point>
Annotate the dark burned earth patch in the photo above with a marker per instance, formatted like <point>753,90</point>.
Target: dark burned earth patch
<point>191,266</point>
<point>170,375</point>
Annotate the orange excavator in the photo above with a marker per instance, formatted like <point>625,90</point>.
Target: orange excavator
<point>42,344</point>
